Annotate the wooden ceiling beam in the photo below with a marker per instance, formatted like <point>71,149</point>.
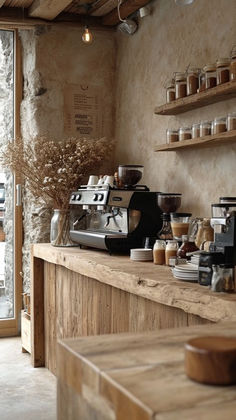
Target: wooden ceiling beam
<point>47,9</point>
<point>126,9</point>
<point>102,7</point>
<point>14,17</point>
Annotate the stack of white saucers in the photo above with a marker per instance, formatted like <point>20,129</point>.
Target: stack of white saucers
<point>186,272</point>
<point>141,254</point>
<point>195,259</point>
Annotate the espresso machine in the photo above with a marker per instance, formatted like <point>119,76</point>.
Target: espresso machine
<point>114,219</point>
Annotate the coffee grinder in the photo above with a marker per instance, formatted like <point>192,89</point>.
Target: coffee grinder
<point>168,203</point>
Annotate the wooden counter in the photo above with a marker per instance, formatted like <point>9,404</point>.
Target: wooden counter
<point>78,292</point>
<point>138,377</point>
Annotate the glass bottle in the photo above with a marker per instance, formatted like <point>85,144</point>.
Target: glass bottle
<point>188,245</point>
<point>192,81</point>
<point>170,91</point>
<point>210,76</point>
<point>180,85</point>
<point>171,250</point>
<point>159,252</point>
<point>233,64</point>
<point>166,231</point>
<point>217,282</point>
<point>222,70</point>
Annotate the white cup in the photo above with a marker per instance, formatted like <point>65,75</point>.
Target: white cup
<point>109,180</point>
<point>93,180</point>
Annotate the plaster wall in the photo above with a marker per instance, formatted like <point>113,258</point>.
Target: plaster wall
<point>54,57</point>
<point>168,40</point>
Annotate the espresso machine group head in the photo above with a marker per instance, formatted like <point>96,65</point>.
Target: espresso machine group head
<point>115,219</point>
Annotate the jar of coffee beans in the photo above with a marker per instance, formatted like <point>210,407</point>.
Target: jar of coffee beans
<point>220,125</point>
<point>222,70</point>
<point>233,64</point>
<point>180,85</point>
<point>170,91</point>
<point>172,135</point>
<point>205,128</point>
<point>192,81</point>
<point>210,76</point>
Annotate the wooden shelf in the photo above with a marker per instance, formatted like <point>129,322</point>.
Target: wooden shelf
<point>198,100</point>
<point>201,142</point>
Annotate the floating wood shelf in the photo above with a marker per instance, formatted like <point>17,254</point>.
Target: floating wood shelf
<point>207,141</point>
<point>198,100</point>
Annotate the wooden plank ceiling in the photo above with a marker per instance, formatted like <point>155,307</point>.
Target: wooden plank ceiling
<point>93,12</point>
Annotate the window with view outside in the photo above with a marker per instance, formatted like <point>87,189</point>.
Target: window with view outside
<point>6,178</point>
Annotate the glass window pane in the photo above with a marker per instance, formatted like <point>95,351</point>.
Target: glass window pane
<point>6,179</point>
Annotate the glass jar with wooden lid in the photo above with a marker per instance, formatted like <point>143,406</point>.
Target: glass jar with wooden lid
<point>195,131</point>
<point>180,85</point>
<point>210,75</point>
<point>222,70</point>
<point>192,80</point>
<point>170,91</point>
<point>233,64</point>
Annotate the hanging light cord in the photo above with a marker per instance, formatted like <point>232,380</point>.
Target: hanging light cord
<point>118,10</point>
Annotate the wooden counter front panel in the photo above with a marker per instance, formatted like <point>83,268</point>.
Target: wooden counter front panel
<point>76,305</point>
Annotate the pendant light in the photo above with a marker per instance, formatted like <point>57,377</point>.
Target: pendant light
<point>87,36</point>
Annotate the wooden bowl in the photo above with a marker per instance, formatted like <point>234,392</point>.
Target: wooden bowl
<point>211,360</point>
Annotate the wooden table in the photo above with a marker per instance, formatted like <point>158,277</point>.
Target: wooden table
<point>138,377</point>
<point>77,292</point>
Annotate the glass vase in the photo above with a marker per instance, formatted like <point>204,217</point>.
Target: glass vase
<point>60,228</point>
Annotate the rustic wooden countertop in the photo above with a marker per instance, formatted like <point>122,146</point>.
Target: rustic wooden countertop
<point>142,376</point>
<point>144,279</point>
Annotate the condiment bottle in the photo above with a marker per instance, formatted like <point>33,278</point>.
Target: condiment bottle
<point>159,252</point>
<point>171,250</point>
<point>180,85</point>
<point>222,70</point>
<point>210,75</point>
<point>170,91</point>
<point>231,121</point>
<point>192,80</point>
<point>172,135</point>
<point>188,245</point>
<point>220,125</point>
<point>233,64</point>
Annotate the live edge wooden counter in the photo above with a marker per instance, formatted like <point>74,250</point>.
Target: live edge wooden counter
<point>77,292</point>
<point>138,377</point>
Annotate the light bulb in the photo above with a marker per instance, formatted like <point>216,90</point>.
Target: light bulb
<point>87,37</point>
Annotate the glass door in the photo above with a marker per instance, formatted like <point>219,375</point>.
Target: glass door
<point>10,210</point>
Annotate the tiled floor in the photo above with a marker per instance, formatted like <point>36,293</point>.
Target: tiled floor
<point>26,393</point>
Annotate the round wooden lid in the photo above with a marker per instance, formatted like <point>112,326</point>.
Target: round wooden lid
<point>211,360</point>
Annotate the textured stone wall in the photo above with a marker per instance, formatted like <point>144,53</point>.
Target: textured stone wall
<point>52,58</point>
<point>168,40</point>
<point>6,133</point>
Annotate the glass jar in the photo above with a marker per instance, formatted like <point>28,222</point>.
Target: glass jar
<point>205,128</point>
<point>210,76</point>
<point>202,81</point>
<point>60,228</point>
<point>171,250</point>
<point>192,81</point>
<point>195,131</point>
<point>217,281</point>
<point>220,125</point>
<point>172,135</point>
<point>188,245</point>
<point>222,70</point>
<point>170,91</point>
<point>231,121</point>
<point>185,133</point>
<point>180,85</point>
<point>159,252</point>
<point>233,64</point>
<point>166,231</point>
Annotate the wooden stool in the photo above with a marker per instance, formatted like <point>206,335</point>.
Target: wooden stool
<point>211,360</point>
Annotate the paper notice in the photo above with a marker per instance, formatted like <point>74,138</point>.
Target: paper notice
<point>82,111</point>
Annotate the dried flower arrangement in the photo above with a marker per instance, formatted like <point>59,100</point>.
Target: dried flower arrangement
<point>54,169</point>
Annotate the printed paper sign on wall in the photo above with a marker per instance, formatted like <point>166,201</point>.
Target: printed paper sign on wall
<point>82,111</point>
